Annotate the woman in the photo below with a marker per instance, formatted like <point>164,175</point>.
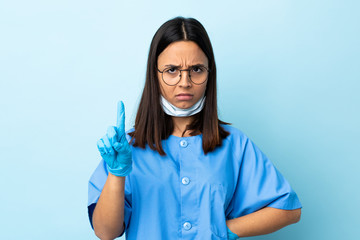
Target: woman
<point>181,173</point>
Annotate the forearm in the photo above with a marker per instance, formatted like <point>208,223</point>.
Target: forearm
<point>108,214</point>
<point>264,221</point>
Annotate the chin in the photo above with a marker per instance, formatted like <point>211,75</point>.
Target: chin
<point>184,104</point>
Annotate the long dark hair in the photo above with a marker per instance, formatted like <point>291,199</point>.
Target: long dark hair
<point>152,124</point>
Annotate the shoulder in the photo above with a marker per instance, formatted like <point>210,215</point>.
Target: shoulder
<point>237,140</point>
<point>235,133</point>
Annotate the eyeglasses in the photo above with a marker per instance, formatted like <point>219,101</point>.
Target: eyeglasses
<point>197,75</point>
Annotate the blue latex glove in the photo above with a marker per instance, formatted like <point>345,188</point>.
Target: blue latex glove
<point>231,235</point>
<point>114,148</point>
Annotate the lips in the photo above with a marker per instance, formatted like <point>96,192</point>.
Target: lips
<point>184,96</point>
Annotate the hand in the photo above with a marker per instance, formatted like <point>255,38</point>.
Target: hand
<point>114,148</point>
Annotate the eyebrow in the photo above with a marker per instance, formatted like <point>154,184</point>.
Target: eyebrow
<point>195,65</point>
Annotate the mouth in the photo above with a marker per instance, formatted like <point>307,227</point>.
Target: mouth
<point>184,96</point>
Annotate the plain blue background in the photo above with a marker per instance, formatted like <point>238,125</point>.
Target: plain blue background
<point>288,76</point>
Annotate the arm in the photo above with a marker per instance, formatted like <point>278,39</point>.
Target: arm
<point>108,214</point>
<point>263,221</point>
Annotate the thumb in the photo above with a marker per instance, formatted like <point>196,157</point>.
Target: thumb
<point>117,146</point>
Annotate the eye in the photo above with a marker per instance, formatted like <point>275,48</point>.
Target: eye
<point>197,69</point>
<point>171,70</point>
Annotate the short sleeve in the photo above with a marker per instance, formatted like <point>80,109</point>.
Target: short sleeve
<point>96,184</point>
<point>259,185</point>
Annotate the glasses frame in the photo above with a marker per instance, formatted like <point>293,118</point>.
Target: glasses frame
<point>189,69</point>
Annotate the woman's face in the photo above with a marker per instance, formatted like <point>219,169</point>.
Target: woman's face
<point>183,54</point>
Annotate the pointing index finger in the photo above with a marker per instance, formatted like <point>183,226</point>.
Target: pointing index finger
<point>120,121</point>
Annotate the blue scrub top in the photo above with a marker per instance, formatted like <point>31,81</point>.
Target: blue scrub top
<point>189,195</point>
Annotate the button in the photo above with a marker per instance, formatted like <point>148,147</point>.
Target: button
<point>187,226</point>
<point>185,180</point>
<point>183,143</point>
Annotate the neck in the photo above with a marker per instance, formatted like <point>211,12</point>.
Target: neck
<point>180,124</point>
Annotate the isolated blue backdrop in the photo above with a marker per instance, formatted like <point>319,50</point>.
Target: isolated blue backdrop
<point>288,76</point>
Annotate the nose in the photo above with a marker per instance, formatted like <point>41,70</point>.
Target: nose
<point>185,79</point>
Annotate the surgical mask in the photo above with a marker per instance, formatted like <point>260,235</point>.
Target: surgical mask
<point>179,112</point>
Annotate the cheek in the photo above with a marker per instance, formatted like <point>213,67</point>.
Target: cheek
<point>164,89</point>
<point>159,77</point>
<point>161,87</point>
<point>204,89</point>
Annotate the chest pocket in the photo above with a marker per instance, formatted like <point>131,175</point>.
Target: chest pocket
<point>217,212</point>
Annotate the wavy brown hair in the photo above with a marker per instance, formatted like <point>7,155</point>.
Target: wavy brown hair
<point>152,124</point>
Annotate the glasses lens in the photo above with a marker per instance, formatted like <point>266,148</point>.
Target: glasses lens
<point>198,74</point>
<point>171,76</point>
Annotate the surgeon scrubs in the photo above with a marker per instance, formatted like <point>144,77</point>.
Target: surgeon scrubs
<point>189,195</point>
